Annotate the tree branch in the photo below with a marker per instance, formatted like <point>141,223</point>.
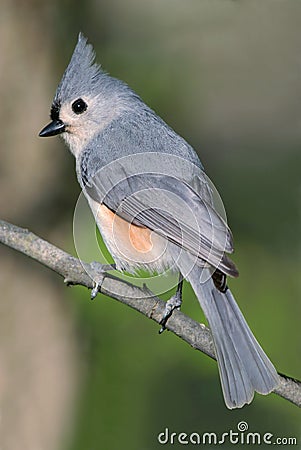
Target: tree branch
<point>140,299</point>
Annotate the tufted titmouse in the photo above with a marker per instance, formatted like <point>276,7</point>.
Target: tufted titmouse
<point>155,210</point>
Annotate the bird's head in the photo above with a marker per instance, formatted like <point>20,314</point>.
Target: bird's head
<point>86,101</point>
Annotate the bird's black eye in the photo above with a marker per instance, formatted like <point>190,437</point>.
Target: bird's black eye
<point>79,106</point>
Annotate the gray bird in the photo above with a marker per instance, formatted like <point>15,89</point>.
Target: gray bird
<point>155,209</point>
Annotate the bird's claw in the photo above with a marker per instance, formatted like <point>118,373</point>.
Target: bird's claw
<point>98,271</point>
<point>96,287</point>
<point>173,303</point>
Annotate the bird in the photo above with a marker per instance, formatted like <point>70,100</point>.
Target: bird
<point>155,209</point>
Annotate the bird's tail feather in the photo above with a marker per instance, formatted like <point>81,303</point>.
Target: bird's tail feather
<point>243,366</point>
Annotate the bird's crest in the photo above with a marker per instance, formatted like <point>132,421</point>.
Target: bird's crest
<point>82,73</point>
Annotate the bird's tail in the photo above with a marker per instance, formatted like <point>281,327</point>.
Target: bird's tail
<point>243,366</point>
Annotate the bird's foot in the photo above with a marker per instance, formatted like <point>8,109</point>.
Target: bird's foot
<point>173,303</point>
<point>98,271</point>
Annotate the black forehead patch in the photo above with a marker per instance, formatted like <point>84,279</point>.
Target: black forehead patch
<point>55,110</point>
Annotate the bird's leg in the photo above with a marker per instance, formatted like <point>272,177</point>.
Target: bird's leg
<point>98,272</point>
<point>174,302</point>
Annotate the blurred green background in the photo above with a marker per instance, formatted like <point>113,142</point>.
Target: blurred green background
<point>226,75</point>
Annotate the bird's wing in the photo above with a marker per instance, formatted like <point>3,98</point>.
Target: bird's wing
<point>171,208</point>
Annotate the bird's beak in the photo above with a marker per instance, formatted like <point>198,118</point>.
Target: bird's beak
<point>53,128</point>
